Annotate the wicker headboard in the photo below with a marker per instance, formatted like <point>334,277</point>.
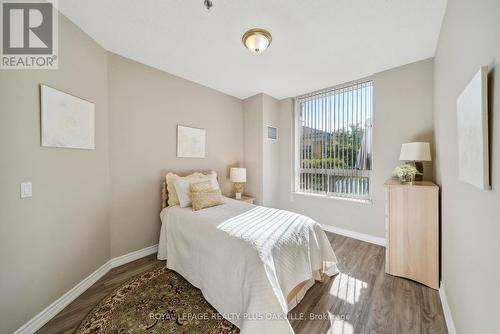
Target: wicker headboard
<point>164,193</point>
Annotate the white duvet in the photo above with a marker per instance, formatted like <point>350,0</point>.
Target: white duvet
<point>245,259</point>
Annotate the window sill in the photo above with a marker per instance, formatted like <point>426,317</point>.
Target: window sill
<point>338,198</point>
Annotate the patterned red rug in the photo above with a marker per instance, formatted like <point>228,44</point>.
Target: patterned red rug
<point>158,301</point>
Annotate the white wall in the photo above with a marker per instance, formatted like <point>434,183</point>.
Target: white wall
<point>50,242</point>
<point>402,113</point>
<point>261,154</point>
<point>253,146</point>
<point>271,153</point>
<point>470,38</point>
<point>146,105</point>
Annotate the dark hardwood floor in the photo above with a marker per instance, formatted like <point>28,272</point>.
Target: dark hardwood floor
<point>361,299</point>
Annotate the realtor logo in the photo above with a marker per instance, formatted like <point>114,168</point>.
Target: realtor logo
<point>29,34</point>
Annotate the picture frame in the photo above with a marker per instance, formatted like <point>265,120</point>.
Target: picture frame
<point>190,142</point>
<point>67,121</point>
<point>472,130</point>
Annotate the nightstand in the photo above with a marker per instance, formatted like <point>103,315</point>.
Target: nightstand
<point>245,198</point>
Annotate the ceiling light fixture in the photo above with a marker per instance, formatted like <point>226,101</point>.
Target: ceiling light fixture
<point>208,4</point>
<point>257,40</point>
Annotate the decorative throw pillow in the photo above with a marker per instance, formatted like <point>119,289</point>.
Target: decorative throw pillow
<point>173,199</point>
<point>206,199</point>
<point>201,186</point>
<point>183,187</point>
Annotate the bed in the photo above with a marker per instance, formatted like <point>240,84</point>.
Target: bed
<point>252,263</point>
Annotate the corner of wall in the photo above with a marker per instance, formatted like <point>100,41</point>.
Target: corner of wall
<point>262,154</point>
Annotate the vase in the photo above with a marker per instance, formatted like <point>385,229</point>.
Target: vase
<point>406,179</point>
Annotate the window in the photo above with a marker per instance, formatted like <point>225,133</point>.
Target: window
<point>333,153</point>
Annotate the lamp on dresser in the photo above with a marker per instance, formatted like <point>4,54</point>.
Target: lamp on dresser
<point>238,176</point>
<point>416,152</point>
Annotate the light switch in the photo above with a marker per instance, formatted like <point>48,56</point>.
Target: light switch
<point>26,190</point>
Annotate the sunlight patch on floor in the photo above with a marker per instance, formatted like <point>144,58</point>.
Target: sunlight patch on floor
<point>340,327</point>
<point>347,288</point>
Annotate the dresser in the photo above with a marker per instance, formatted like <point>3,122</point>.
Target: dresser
<point>412,231</point>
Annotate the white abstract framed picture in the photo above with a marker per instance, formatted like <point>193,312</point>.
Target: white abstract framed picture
<point>67,121</point>
<point>190,142</point>
<point>472,129</point>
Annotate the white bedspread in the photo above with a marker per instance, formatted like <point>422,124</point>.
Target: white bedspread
<point>245,259</point>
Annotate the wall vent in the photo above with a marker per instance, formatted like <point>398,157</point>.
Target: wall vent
<point>272,133</point>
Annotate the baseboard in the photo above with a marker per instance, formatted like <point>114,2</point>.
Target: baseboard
<point>53,309</point>
<point>121,260</point>
<point>49,312</point>
<point>355,235</point>
<point>447,311</point>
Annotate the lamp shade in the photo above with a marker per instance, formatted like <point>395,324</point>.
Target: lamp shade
<point>415,152</point>
<point>238,174</point>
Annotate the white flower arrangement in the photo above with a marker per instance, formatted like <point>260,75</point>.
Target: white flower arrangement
<point>406,173</point>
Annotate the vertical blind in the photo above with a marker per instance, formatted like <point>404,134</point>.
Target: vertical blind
<point>334,141</point>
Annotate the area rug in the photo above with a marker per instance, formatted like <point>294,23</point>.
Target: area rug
<point>158,301</point>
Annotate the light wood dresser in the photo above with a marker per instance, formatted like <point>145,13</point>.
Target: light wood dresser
<point>412,231</point>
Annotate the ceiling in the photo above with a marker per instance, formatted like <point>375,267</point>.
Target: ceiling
<point>316,43</point>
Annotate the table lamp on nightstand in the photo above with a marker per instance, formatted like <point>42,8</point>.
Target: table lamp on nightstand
<point>416,152</point>
<point>238,176</point>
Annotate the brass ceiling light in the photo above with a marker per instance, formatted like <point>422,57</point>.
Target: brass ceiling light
<point>257,40</point>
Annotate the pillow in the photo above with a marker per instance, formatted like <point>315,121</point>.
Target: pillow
<point>183,187</point>
<point>206,199</point>
<point>201,186</point>
<point>171,178</point>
